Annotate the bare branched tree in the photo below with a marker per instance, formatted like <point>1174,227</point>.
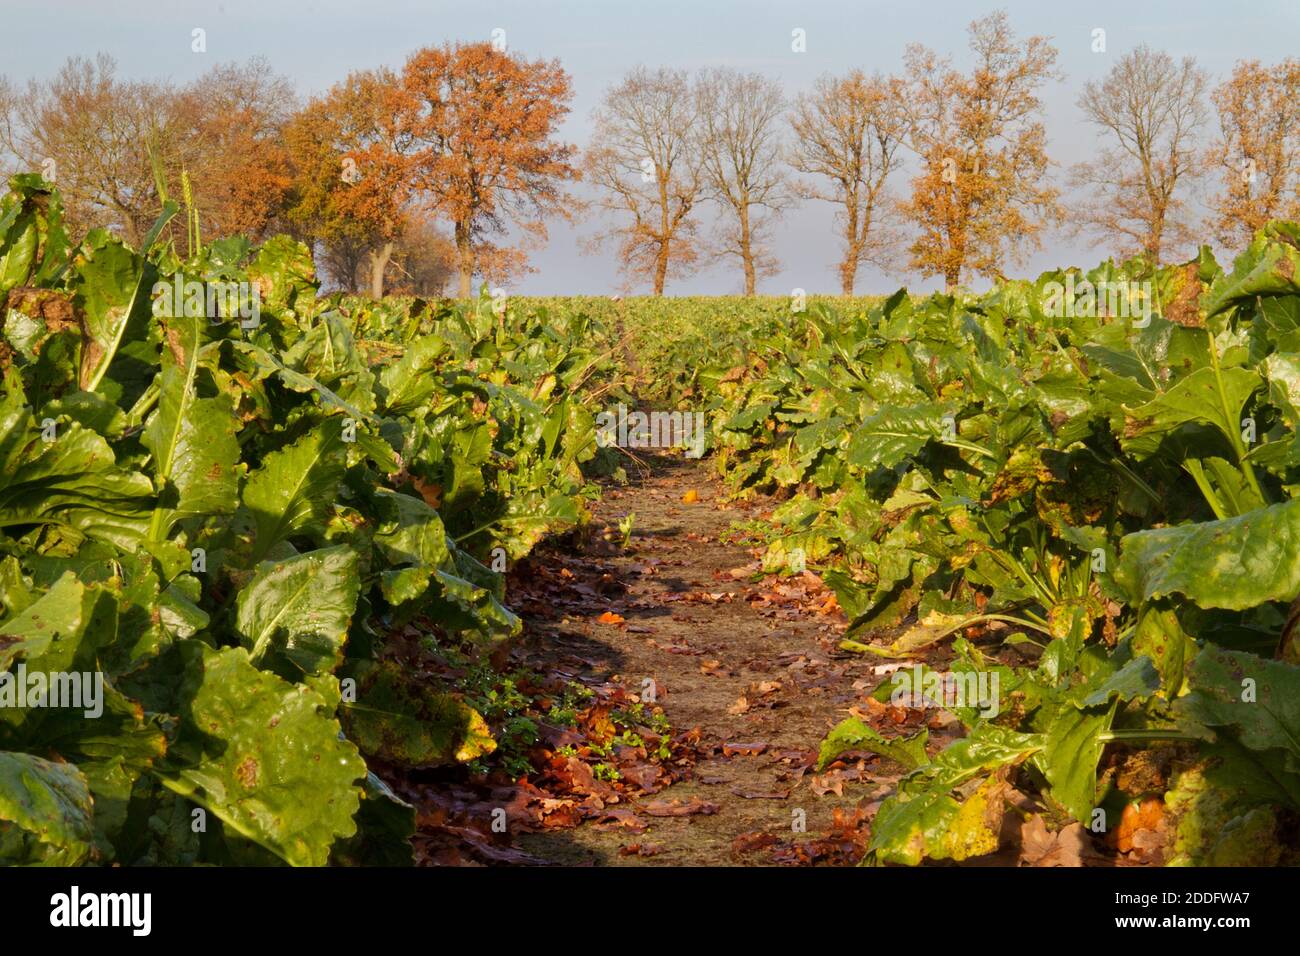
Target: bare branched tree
<point>847,133</point>
<point>97,136</point>
<point>1152,108</point>
<point>91,132</point>
<point>645,161</point>
<point>740,147</point>
<point>9,106</point>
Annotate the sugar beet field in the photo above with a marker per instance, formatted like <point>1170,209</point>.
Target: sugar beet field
<point>418,581</point>
<point>341,574</point>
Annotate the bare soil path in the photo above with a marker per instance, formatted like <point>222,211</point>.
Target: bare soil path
<point>749,660</point>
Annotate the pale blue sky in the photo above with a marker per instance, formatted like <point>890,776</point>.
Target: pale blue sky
<point>316,42</point>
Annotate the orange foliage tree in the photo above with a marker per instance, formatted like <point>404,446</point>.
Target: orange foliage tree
<point>480,127</point>
<point>464,132</point>
<point>1258,148</point>
<point>241,171</point>
<point>354,175</point>
<point>982,194</point>
<point>94,132</point>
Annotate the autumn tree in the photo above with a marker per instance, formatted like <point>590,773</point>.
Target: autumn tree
<point>847,134</point>
<point>425,261</point>
<point>239,165</point>
<point>1150,107</point>
<point>464,132</point>
<point>982,194</point>
<point>739,135</point>
<point>645,161</point>
<point>98,136</point>
<point>353,184</point>
<point>9,106</point>
<point>91,132</point>
<point>1258,148</point>
<point>482,127</point>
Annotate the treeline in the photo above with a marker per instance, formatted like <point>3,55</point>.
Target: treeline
<point>403,179</point>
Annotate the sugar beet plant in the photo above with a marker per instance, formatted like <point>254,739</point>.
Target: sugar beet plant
<point>657,333</point>
<point>1053,467</point>
<point>220,518</point>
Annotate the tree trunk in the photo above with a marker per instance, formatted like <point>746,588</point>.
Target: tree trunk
<point>746,250</point>
<point>852,244</point>
<point>464,261</point>
<point>350,274</point>
<point>379,259</point>
<point>1155,241</point>
<point>950,279</point>
<point>667,228</point>
<point>661,268</point>
<point>848,273</point>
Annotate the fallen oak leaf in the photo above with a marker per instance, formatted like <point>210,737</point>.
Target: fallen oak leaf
<point>557,737</point>
<point>676,808</point>
<point>743,749</point>
<point>680,648</point>
<point>560,814</point>
<point>1146,815</point>
<point>1149,845</point>
<point>705,597</point>
<point>1042,848</point>
<point>756,840</point>
<point>431,492</point>
<point>826,783</point>
<point>624,818</point>
<point>583,780</point>
<point>645,776</point>
<point>640,849</point>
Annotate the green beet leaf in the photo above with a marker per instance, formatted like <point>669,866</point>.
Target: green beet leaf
<point>301,607</point>
<point>1236,563</point>
<point>62,613</point>
<point>294,490</point>
<point>1255,700</point>
<point>273,764</point>
<point>853,734</point>
<point>405,721</point>
<point>45,812</point>
<point>892,435</point>
<point>71,481</point>
<point>195,454</point>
